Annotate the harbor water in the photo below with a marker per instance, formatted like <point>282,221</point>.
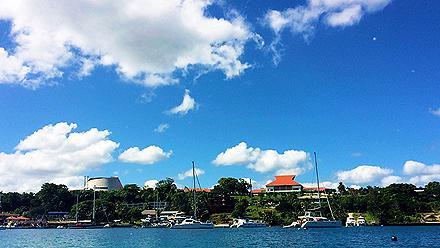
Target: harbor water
<point>258,237</point>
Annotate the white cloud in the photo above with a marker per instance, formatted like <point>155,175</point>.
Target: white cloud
<point>435,112</point>
<point>288,162</point>
<point>417,168</point>
<point>421,173</point>
<point>148,155</point>
<point>162,128</point>
<point>146,41</point>
<point>150,184</point>
<point>422,180</point>
<point>188,103</point>
<point>54,154</point>
<point>189,173</point>
<point>355,186</point>
<point>386,181</point>
<point>363,174</point>
<point>325,184</point>
<point>303,19</point>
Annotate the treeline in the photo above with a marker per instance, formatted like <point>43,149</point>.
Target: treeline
<point>230,198</point>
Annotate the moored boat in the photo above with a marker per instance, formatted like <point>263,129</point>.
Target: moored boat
<point>350,222</point>
<point>313,218</point>
<point>361,221</point>
<point>193,223</point>
<point>246,223</point>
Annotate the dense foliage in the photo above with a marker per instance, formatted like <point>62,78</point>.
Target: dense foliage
<point>230,198</point>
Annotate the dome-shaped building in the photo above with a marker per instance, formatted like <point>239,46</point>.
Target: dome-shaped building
<point>103,183</point>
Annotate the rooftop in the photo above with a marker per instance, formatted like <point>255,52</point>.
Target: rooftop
<point>207,190</point>
<point>283,181</point>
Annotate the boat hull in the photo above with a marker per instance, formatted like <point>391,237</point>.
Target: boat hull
<point>322,224</point>
<point>194,226</point>
<point>253,225</point>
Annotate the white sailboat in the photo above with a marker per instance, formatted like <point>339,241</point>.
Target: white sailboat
<point>247,223</point>
<point>193,223</point>
<point>313,218</point>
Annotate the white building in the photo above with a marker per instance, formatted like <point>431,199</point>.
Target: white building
<point>103,183</point>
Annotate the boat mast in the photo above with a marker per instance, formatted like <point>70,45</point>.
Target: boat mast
<point>194,191</point>
<point>317,180</point>
<point>94,204</point>
<point>76,214</point>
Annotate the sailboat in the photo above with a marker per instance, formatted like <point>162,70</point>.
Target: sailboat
<point>193,223</point>
<point>313,218</point>
<point>87,224</point>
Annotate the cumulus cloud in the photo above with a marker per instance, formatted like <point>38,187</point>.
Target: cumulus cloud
<point>386,181</point>
<point>162,128</point>
<point>303,19</point>
<point>189,173</point>
<point>147,156</point>
<point>421,173</point>
<point>363,174</point>
<point>325,184</point>
<point>435,112</point>
<point>288,162</point>
<point>146,41</point>
<point>150,184</point>
<point>188,103</point>
<point>56,154</point>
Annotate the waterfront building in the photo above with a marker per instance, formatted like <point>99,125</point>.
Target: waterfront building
<point>103,183</point>
<point>284,184</point>
<point>206,190</point>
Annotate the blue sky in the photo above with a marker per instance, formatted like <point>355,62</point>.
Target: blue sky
<point>361,92</point>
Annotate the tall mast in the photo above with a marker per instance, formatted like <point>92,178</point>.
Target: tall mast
<point>317,180</point>
<point>76,214</point>
<point>194,191</point>
<point>94,204</point>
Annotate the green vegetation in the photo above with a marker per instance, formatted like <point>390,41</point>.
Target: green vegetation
<point>395,204</point>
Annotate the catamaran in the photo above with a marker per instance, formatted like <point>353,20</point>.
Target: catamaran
<point>193,223</point>
<point>313,218</point>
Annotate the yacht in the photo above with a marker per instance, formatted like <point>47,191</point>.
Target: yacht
<point>246,223</point>
<point>350,221</point>
<point>193,223</point>
<point>361,221</point>
<point>313,218</point>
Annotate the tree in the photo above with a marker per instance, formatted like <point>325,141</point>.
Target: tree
<point>231,186</point>
<point>165,189</point>
<point>240,208</point>
<point>341,188</point>
<point>55,197</point>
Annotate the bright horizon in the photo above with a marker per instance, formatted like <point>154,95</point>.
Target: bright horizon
<point>246,90</point>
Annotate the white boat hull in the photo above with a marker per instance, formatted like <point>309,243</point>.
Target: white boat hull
<point>193,226</point>
<point>251,225</point>
<point>322,224</point>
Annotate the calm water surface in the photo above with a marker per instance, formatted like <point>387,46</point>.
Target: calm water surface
<point>261,237</point>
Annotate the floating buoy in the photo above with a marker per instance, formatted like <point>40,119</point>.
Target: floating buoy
<point>393,238</point>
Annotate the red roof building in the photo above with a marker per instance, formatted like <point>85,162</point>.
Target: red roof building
<point>206,190</point>
<point>315,189</point>
<point>284,184</point>
<point>258,191</point>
